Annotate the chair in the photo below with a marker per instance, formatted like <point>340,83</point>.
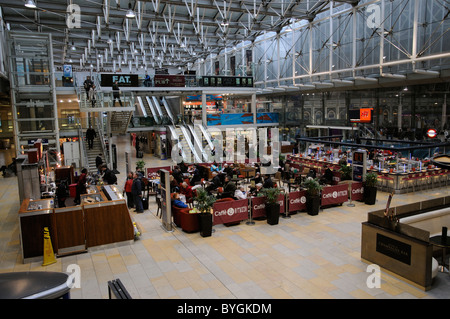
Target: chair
<point>277,178</point>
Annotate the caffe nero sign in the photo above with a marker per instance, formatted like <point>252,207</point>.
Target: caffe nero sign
<point>124,80</point>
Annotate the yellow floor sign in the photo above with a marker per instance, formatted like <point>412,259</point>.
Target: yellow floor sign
<point>49,256</point>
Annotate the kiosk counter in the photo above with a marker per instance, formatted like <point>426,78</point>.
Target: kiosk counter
<point>102,218</point>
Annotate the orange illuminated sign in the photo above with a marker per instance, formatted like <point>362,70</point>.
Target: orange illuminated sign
<point>365,115</point>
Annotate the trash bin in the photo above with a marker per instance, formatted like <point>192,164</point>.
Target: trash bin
<point>73,190</point>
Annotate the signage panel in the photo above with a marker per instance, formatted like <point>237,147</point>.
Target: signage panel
<point>230,211</point>
<point>297,201</point>
<point>162,80</point>
<point>332,195</point>
<point>393,248</point>
<point>124,80</point>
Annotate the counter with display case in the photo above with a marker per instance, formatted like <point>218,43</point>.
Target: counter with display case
<point>102,218</point>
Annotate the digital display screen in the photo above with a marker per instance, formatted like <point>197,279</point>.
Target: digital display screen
<point>361,115</point>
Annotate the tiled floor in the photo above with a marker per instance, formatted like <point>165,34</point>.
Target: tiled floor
<point>301,257</point>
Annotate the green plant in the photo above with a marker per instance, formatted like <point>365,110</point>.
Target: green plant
<point>371,179</point>
<point>312,186</point>
<point>140,164</point>
<point>346,172</point>
<point>271,194</point>
<point>203,202</point>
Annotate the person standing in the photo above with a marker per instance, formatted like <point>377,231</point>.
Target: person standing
<point>92,95</point>
<point>87,85</point>
<point>116,93</point>
<point>98,161</point>
<point>128,189</point>
<point>81,186</point>
<point>136,191</point>
<point>108,175</point>
<point>90,135</point>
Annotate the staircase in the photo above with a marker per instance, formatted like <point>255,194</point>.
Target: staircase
<point>120,121</point>
<point>93,153</point>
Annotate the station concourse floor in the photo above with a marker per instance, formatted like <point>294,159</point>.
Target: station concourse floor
<point>303,257</point>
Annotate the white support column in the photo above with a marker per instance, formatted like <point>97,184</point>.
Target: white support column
<point>253,107</point>
<point>381,27</point>
<point>204,119</point>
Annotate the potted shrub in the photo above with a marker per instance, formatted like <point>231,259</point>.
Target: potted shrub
<point>370,188</point>
<point>346,172</point>
<point>140,165</point>
<point>313,189</point>
<point>203,203</point>
<point>272,205</point>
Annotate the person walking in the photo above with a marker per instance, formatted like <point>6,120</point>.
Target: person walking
<point>128,188</point>
<point>90,135</point>
<point>116,93</point>
<point>136,191</point>
<point>87,84</point>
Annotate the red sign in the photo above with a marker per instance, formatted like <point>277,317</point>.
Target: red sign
<point>230,211</point>
<point>357,190</point>
<point>259,205</point>
<point>169,80</point>
<point>431,133</point>
<point>365,115</point>
<point>297,201</point>
<point>332,195</point>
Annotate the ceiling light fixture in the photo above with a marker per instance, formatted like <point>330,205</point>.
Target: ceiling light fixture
<point>130,12</point>
<point>30,4</point>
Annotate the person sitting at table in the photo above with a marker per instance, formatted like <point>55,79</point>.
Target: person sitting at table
<point>177,202</point>
<point>197,177</point>
<point>187,191</point>
<point>215,183</point>
<point>214,167</point>
<point>177,174</point>
<point>268,183</point>
<point>174,186</point>
<point>255,190</point>
<point>311,173</point>
<point>327,177</point>
<point>229,187</point>
<point>227,169</point>
<point>240,193</point>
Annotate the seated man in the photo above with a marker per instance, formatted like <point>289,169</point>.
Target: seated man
<point>215,183</point>
<point>229,188</point>
<point>177,202</point>
<point>327,177</point>
<point>268,183</point>
<point>255,191</point>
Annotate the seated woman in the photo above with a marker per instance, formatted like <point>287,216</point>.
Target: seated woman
<point>187,191</point>
<point>240,193</point>
<point>177,202</point>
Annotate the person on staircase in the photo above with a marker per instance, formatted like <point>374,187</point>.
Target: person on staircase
<point>98,161</point>
<point>90,135</point>
<point>116,93</point>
